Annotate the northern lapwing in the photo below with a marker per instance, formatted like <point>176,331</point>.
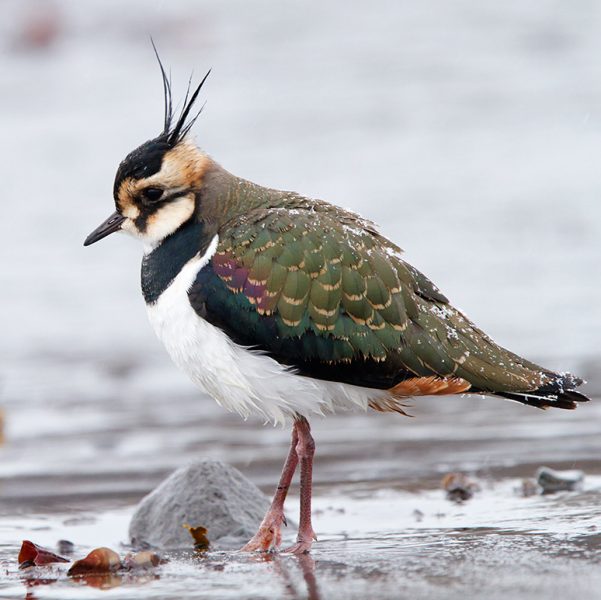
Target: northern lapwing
<point>288,307</point>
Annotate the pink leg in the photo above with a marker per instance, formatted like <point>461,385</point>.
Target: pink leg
<point>305,449</point>
<point>269,536</point>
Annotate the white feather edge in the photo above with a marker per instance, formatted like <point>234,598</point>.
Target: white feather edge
<point>239,378</point>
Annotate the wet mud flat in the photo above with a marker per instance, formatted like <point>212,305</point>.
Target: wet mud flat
<point>385,526</point>
<point>370,546</point>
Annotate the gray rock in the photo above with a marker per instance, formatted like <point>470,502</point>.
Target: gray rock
<point>557,481</point>
<point>210,494</point>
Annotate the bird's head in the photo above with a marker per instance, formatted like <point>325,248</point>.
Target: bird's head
<point>156,185</point>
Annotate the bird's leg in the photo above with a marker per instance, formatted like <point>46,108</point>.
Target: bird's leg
<point>305,449</point>
<point>269,536</point>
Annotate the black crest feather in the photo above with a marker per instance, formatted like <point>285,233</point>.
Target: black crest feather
<point>174,132</point>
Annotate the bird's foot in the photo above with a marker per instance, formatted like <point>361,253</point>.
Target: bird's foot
<point>269,536</point>
<point>303,544</point>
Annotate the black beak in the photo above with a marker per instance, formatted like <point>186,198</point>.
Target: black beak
<point>112,224</point>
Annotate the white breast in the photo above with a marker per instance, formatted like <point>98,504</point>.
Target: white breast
<point>239,379</point>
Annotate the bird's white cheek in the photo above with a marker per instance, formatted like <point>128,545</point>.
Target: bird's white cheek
<point>168,218</point>
<point>161,223</point>
<point>128,227</point>
<point>131,211</point>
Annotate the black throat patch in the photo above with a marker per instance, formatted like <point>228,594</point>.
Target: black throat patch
<point>161,266</point>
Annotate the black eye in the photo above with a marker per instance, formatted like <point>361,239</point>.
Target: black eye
<point>152,194</point>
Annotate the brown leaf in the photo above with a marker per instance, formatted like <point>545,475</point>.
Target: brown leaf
<point>100,560</point>
<point>199,535</point>
<point>33,555</point>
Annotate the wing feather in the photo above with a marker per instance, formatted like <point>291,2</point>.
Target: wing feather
<point>319,289</point>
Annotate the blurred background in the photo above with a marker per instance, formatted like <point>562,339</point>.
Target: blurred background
<point>469,130</point>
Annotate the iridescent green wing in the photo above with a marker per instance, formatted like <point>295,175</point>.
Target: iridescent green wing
<point>319,289</point>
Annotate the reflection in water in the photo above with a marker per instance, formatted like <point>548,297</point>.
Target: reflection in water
<point>34,582</point>
<point>307,564</point>
<point>297,573</point>
<point>107,581</point>
<point>307,567</point>
<point>102,581</point>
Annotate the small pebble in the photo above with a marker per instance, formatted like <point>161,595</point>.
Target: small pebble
<point>528,488</point>
<point>559,481</point>
<point>459,487</point>
<point>100,560</point>
<point>65,547</point>
<point>141,560</point>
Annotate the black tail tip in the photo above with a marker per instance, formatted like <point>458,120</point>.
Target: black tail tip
<point>558,393</point>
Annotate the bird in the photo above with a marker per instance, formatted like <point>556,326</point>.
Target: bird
<point>288,308</point>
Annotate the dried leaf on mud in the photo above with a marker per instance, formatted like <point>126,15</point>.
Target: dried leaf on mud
<point>199,535</point>
<point>32,555</point>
